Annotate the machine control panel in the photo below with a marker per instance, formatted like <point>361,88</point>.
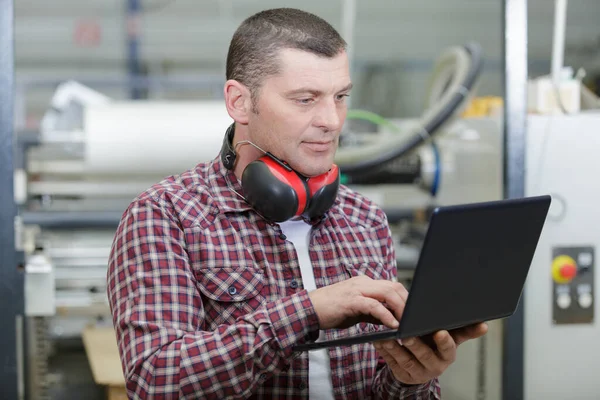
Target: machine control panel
<point>572,273</point>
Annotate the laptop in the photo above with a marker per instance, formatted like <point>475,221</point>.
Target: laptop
<point>472,268</point>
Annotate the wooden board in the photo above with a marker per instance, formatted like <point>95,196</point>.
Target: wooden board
<point>103,356</point>
<point>116,393</point>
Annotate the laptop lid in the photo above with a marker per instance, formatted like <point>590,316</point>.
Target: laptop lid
<point>472,268</point>
<point>473,264</point>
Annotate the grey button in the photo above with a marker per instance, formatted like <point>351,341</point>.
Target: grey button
<point>302,385</point>
<point>294,284</point>
<point>232,290</point>
<point>262,377</point>
<point>282,236</point>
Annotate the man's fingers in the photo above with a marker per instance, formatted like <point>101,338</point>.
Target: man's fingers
<point>386,355</point>
<point>372,307</point>
<point>423,353</point>
<point>461,335</point>
<point>446,346</point>
<point>402,357</point>
<point>393,294</point>
<point>401,290</point>
<point>359,299</point>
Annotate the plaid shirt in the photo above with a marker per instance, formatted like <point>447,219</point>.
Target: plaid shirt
<point>207,297</point>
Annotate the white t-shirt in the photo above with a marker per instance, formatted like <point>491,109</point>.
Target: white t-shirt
<point>319,371</point>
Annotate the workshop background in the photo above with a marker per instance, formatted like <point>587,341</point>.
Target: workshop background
<point>181,45</point>
<point>88,73</point>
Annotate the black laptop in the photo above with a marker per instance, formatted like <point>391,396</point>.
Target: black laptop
<point>472,268</point>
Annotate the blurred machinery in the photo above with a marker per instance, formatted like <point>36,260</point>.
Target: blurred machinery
<point>93,155</point>
<point>562,147</point>
<point>74,178</point>
<point>560,295</point>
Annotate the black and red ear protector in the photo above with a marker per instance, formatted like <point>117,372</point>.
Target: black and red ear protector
<point>278,192</point>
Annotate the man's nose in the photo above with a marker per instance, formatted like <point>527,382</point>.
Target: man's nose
<point>329,116</point>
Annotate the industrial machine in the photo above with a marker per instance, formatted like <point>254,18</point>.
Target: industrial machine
<point>75,176</point>
<point>93,155</point>
<point>561,317</point>
<point>562,145</point>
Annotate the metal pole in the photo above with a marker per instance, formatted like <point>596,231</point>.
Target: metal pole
<point>515,118</point>
<point>348,27</point>
<point>11,280</point>
<point>132,21</point>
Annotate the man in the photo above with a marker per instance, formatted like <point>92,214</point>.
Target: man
<point>209,296</point>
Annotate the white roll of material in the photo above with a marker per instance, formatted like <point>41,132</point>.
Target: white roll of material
<point>152,138</point>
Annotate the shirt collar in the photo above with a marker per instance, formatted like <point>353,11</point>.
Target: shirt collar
<point>227,189</point>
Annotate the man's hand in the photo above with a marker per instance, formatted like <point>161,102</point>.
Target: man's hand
<point>416,362</point>
<point>359,299</point>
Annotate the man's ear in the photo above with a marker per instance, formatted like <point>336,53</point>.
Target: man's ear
<point>237,101</point>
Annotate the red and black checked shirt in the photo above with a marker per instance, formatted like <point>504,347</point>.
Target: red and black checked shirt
<point>207,297</point>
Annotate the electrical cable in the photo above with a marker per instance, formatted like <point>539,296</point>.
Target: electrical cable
<point>466,62</point>
<point>373,118</point>
<point>387,173</point>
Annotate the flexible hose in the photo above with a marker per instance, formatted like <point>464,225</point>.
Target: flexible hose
<point>465,63</point>
<point>373,118</point>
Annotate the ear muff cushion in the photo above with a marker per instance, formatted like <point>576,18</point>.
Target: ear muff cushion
<point>274,192</point>
<point>328,178</point>
<point>323,190</point>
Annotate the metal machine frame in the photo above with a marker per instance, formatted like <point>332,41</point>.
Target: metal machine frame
<point>12,303</point>
<point>515,119</point>
<point>12,293</point>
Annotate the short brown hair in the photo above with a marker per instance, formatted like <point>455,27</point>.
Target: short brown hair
<point>253,49</point>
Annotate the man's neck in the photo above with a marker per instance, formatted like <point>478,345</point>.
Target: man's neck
<point>245,153</point>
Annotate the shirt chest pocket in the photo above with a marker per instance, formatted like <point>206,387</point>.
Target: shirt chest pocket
<point>230,293</point>
<point>372,269</point>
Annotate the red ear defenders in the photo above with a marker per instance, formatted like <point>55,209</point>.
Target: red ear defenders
<point>277,192</point>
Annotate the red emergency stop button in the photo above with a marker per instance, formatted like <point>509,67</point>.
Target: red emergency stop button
<point>568,271</point>
<point>564,269</point>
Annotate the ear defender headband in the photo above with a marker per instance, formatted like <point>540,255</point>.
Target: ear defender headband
<point>278,192</point>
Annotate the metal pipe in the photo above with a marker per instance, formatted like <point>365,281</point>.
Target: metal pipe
<point>111,219</point>
<point>348,27</point>
<point>515,118</point>
<point>182,82</point>
<point>132,25</point>
<point>70,220</point>
<point>105,189</point>
<point>558,39</point>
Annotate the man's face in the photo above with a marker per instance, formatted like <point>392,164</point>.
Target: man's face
<point>301,111</point>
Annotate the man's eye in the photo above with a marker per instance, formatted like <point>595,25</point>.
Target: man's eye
<point>341,97</point>
<point>304,101</point>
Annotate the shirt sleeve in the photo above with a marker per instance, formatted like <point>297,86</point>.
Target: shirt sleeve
<point>385,385</point>
<point>158,315</point>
